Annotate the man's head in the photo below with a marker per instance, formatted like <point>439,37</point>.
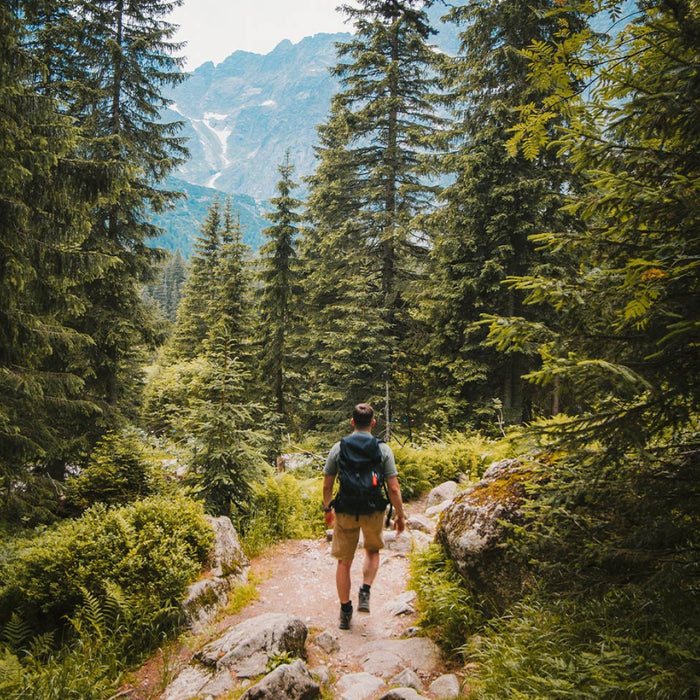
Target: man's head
<point>363,417</point>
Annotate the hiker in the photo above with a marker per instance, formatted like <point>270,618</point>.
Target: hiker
<point>366,471</point>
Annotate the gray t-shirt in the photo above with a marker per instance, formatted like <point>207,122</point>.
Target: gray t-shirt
<point>388,463</point>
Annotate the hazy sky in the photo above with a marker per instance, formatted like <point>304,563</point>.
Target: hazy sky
<point>214,29</point>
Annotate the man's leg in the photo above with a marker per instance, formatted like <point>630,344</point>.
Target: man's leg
<point>369,568</point>
<point>345,535</point>
<point>342,579</point>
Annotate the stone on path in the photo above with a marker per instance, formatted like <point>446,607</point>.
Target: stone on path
<point>386,657</point>
<point>328,642</point>
<point>187,684</point>
<point>407,679</point>
<point>445,687</point>
<point>444,492</point>
<point>247,647</point>
<point>402,694</point>
<point>420,523</point>
<point>358,686</point>
<point>402,605</point>
<point>291,681</point>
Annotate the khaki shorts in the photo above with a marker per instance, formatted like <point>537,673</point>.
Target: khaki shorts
<point>346,534</point>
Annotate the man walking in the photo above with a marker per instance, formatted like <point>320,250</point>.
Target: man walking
<point>362,463</point>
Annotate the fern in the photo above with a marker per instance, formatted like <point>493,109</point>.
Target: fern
<point>16,632</point>
<point>92,613</point>
<point>41,646</point>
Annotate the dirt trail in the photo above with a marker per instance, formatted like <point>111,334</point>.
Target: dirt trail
<point>298,577</point>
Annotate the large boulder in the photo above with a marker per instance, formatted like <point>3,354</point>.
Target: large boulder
<point>473,533</point>
<point>247,647</point>
<point>228,567</point>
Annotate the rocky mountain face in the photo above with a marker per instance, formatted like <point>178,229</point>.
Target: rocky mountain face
<point>239,119</point>
<point>242,115</point>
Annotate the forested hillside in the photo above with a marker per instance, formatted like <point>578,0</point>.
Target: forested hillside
<point>498,250</point>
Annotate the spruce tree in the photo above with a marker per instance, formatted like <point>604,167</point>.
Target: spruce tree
<point>277,306</point>
<point>125,55</point>
<point>200,291</point>
<point>482,229</point>
<point>230,314</point>
<point>46,195</point>
<point>365,193</point>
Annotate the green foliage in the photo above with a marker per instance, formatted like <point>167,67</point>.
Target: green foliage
<point>101,639</point>
<point>282,507</point>
<point>118,471</point>
<point>240,597</point>
<point>228,438</point>
<point>447,611</point>
<point>47,192</point>
<point>278,310</point>
<point>625,645</point>
<point>491,207</point>
<point>166,291</point>
<point>454,458</point>
<point>83,600</point>
<point>279,658</point>
<point>151,549</point>
<point>204,401</point>
<point>360,252</point>
<point>33,499</point>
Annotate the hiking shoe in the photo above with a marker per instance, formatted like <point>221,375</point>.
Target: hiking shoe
<point>363,601</point>
<point>345,617</point>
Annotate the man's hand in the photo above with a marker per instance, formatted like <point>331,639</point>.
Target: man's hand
<point>329,517</point>
<point>399,524</point>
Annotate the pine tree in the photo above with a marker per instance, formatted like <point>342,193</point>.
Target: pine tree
<point>230,315</point>
<point>125,58</point>
<point>194,312</point>
<point>229,446</point>
<point>614,521</point>
<point>482,230</point>
<point>279,275</point>
<point>364,196</point>
<point>46,195</point>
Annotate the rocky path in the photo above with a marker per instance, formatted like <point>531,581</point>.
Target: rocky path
<point>297,578</point>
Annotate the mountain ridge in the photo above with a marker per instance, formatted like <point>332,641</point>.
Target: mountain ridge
<point>242,115</point>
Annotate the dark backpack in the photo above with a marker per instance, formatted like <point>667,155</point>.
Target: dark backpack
<point>361,476</point>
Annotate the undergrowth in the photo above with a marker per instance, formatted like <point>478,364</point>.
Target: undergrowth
<point>282,508</point>
<point>447,612</point>
<point>624,645</point>
<point>81,601</point>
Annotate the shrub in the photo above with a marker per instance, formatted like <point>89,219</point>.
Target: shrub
<point>151,549</point>
<point>283,507</point>
<point>117,472</point>
<point>421,468</point>
<point>623,645</point>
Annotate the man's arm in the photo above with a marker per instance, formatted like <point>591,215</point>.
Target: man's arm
<point>394,490</point>
<point>328,515</point>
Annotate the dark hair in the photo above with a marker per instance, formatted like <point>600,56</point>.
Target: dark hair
<point>362,415</point>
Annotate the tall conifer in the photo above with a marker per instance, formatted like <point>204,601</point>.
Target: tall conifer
<point>496,202</point>
<point>46,196</point>
<point>200,291</point>
<point>230,314</point>
<point>126,55</point>
<point>279,275</point>
<point>364,195</point>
